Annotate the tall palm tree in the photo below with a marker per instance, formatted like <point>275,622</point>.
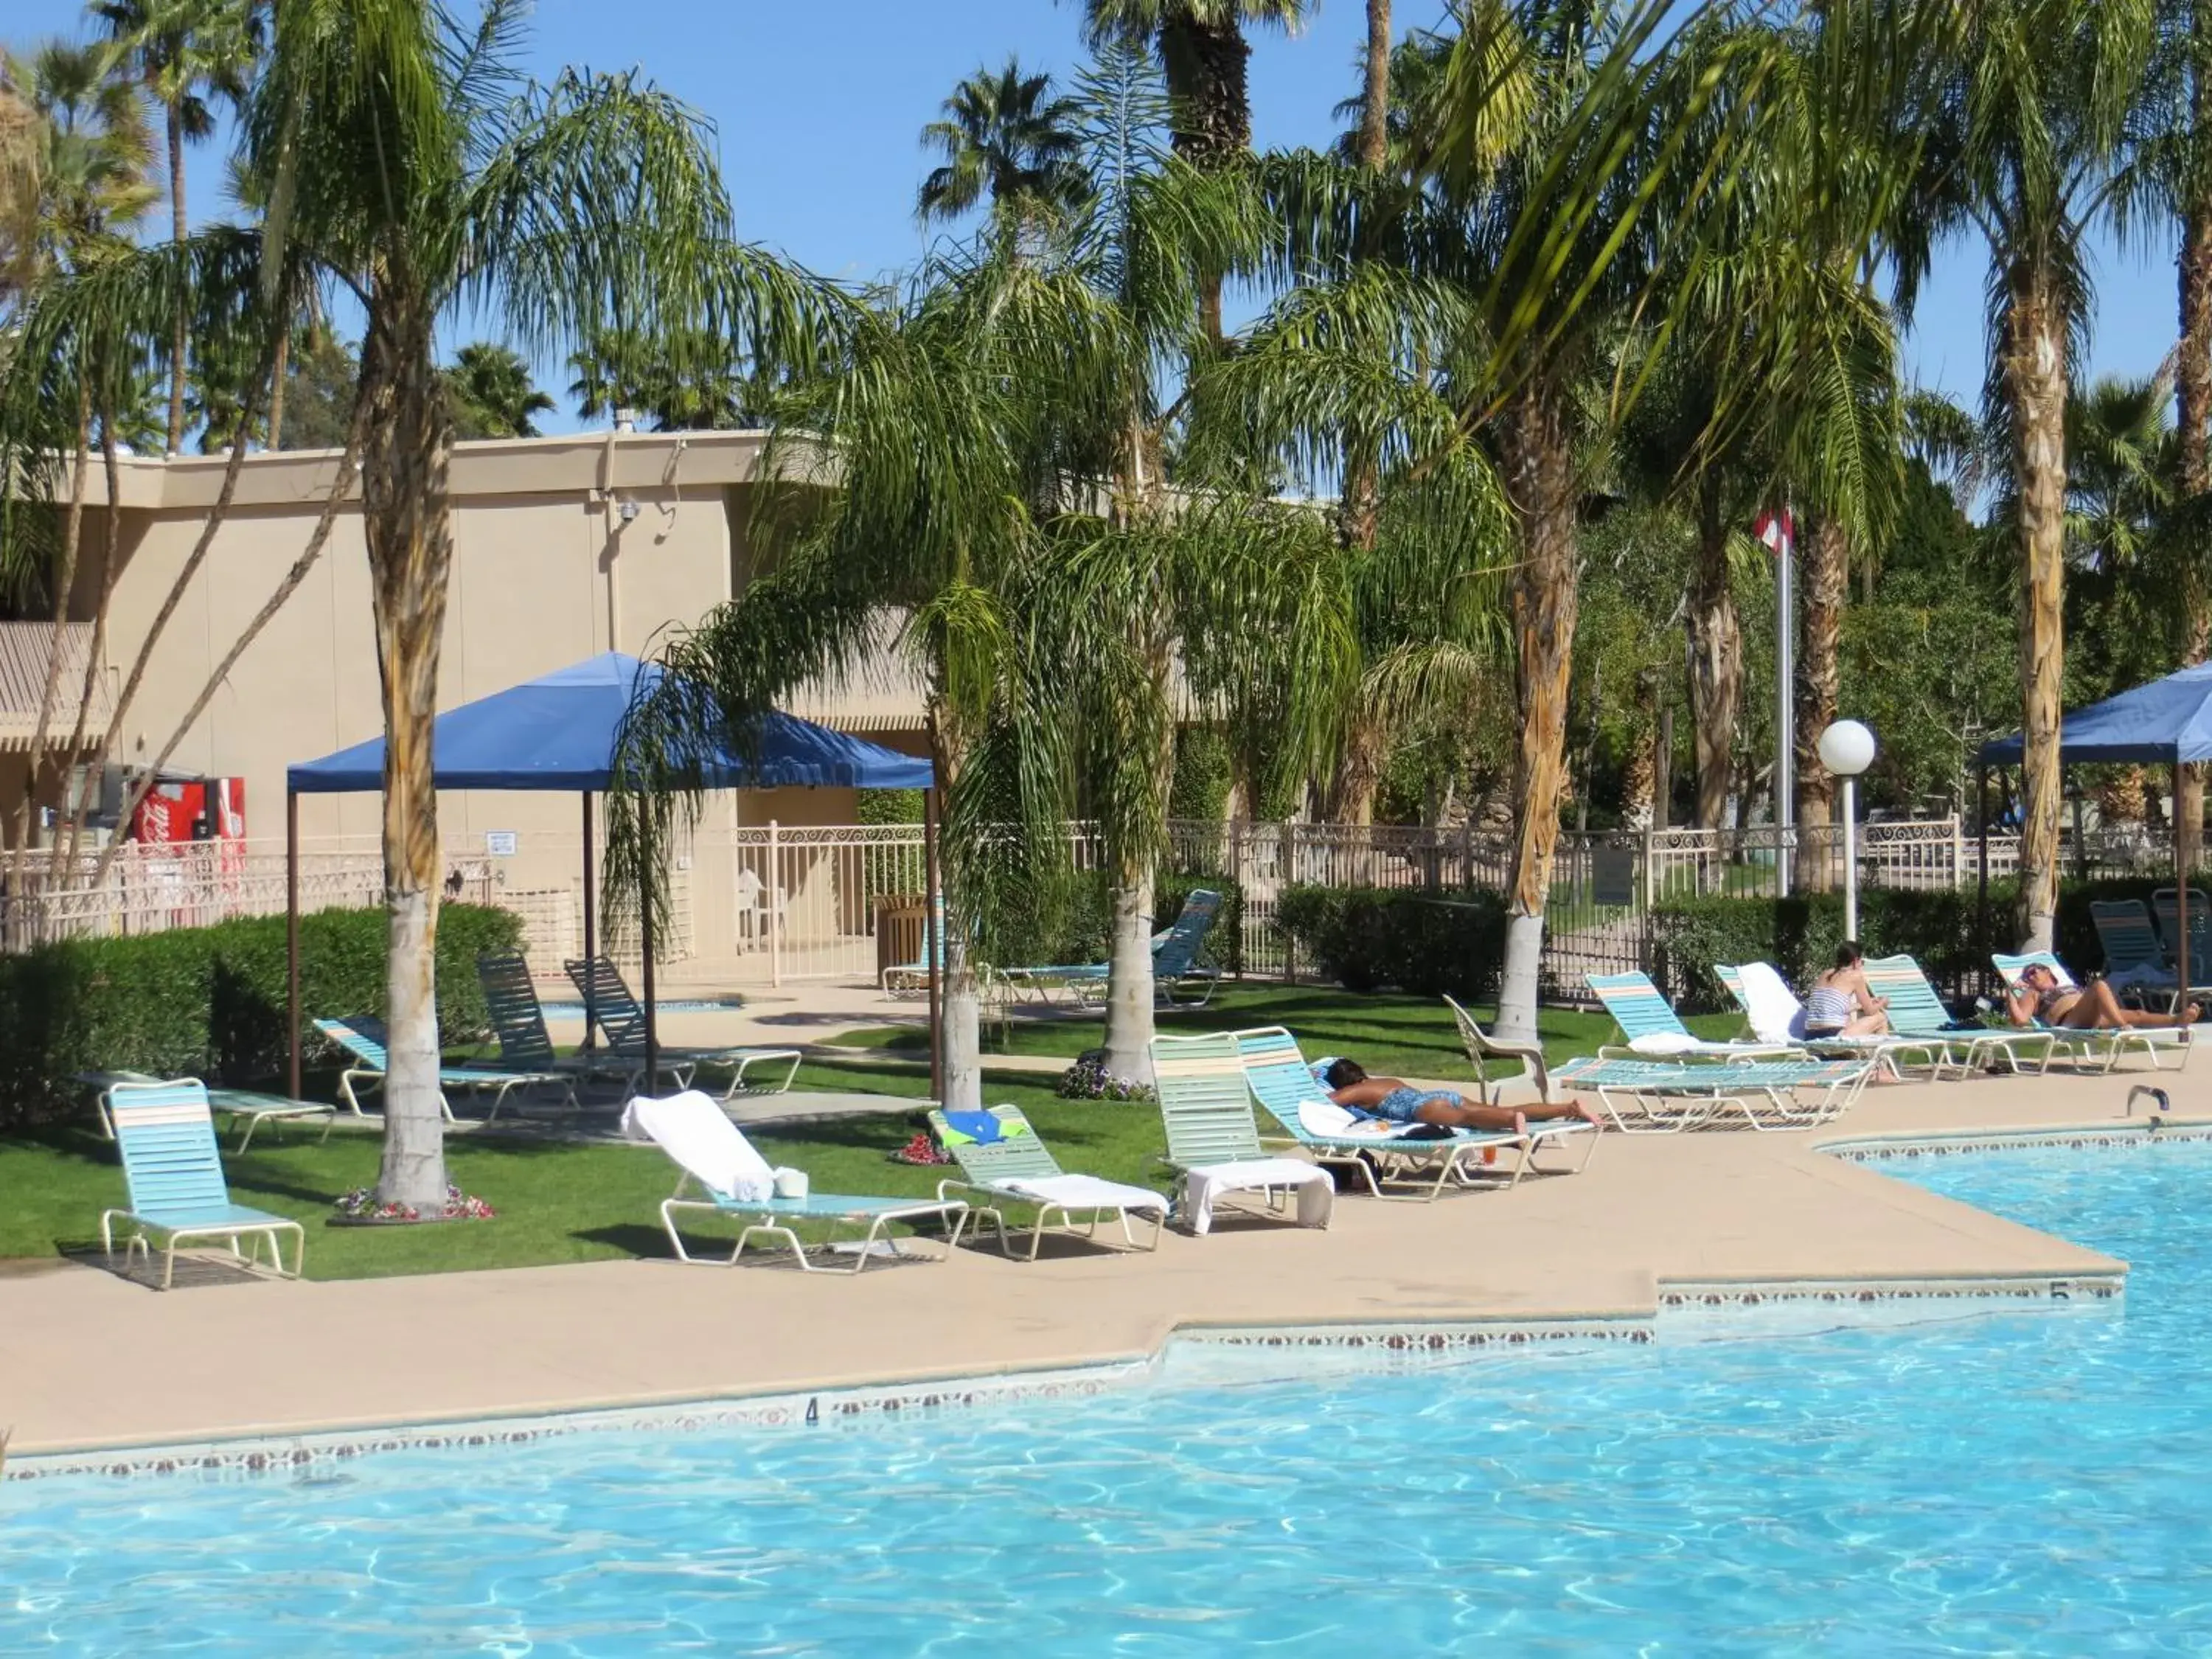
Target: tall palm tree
<point>2043,92</point>
<point>1006,142</point>
<point>186,53</point>
<point>412,166</point>
<point>492,393</point>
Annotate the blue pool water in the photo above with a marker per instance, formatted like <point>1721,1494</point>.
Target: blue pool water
<point>2027,1483</point>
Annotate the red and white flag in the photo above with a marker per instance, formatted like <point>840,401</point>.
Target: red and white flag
<point>1777,532</point>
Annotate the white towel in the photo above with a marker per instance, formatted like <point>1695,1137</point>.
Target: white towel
<point>698,1134</point>
<point>1666,1043</point>
<point>1202,1186</point>
<point>1776,1016</point>
<point>1327,1118</point>
<point>1083,1192</point>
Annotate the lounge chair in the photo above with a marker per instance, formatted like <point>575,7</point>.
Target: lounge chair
<point>2156,981</point>
<point>1773,1014</point>
<point>911,979</point>
<point>2164,904</point>
<point>694,1130</point>
<point>1654,1031</point>
<point>1004,1158</point>
<point>173,1171</point>
<point>363,1037</point>
<point>1213,1142</point>
<point>1385,1154</point>
<point>1482,1048</point>
<point>238,1105</point>
<point>517,1021</point>
<point>2098,1047</point>
<point>1915,1011</point>
<point>1175,958</point>
<point>623,1021</point>
<point>1649,1096</point>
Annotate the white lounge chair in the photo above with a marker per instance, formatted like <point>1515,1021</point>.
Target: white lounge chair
<point>738,1181</point>
<point>1006,1159</point>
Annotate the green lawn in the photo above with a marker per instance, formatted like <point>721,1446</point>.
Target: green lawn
<point>1384,1031</point>
<point>568,1203</point>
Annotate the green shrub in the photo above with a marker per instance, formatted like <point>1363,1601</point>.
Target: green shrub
<point>1426,942</point>
<point>210,1002</point>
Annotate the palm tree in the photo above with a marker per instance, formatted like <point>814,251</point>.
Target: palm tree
<point>1007,142</point>
<point>682,379</point>
<point>412,167</point>
<point>184,52</point>
<point>492,394</point>
<point>2043,92</point>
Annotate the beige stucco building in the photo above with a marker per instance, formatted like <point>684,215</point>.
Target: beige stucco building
<point>565,547</point>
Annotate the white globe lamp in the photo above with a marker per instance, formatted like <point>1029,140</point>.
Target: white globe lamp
<point>1847,749</point>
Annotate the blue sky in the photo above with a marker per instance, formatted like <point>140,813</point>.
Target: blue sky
<point>819,106</point>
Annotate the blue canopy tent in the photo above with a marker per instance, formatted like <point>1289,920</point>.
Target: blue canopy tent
<point>2165,723</point>
<point>559,732</point>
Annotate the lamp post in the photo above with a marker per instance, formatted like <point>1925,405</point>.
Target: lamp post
<point>1847,749</point>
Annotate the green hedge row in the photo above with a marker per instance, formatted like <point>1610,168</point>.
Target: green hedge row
<point>1946,931</point>
<point>209,1001</point>
<point>1428,943</point>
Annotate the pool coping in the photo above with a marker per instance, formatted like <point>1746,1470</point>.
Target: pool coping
<point>253,1451</point>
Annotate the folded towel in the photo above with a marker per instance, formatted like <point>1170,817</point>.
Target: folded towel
<point>1083,1192</point>
<point>1776,1014</point>
<point>1202,1187</point>
<point>1665,1043</point>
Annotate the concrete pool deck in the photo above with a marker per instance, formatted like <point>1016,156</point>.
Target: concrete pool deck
<point>89,1360</point>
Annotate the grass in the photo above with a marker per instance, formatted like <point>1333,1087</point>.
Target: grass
<point>560,1201</point>
<point>1385,1032</point>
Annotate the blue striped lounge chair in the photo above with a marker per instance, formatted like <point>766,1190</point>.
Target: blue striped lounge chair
<point>363,1038</point>
<point>173,1173</point>
<point>1651,1029</point>
<point>1002,1158</point>
<point>1283,1083</point>
<point>1893,1051</point>
<point>2099,1048</point>
<point>1175,961</point>
<point>241,1106</point>
<point>911,979</point>
<point>1915,1010</point>
<point>736,1183</point>
<point>1213,1140</point>
<point>1648,1097</point>
<point>623,1021</point>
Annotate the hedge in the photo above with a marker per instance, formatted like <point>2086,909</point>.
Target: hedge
<point>210,1002</point>
<point>1941,928</point>
<point>1426,943</point>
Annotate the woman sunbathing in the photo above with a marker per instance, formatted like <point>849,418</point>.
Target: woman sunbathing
<point>2090,1007</point>
<point>1396,1101</point>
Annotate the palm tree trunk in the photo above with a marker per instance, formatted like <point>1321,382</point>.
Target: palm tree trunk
<point>110,560</point>
<point>1131,991</point>
<point>1825,570</point>
<point>1540,480</point>
<point>1716,659</point>
<point>1375,99</point>
<point>2035,370</point>
<point>1205,59</point>
<point>407,519</point>
<point>1358,772</point>
<point>179,338</point>
<point>276,390</point>
<point>2193,385</point>
<point>962,1058</point>
<point>26,828</point>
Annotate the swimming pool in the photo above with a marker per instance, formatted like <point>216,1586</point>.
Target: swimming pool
<point>2022,1482</point>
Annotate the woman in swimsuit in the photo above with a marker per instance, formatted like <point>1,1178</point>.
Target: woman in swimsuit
<point>1397,1101</point>
<point>2088,1007</point>
<point>1842,1003</point>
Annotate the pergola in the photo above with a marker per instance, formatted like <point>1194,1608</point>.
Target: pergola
<point>2167,722</point>
<point>560,732</point>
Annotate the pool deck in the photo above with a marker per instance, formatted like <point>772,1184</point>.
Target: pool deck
<point>89,1360</point>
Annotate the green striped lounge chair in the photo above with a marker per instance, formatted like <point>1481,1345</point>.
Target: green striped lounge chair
<point>2136,965</point>
<point>735,1182</point>
<point>364,1039</point>
<point>1213,1140</point>
<point>2099,1048</point>
<point>1002,1158</point>
<point>173,1174</point>
<point>608,995</point>
<point>517,1023</point>
<point>1175,961</point>
<point>1284,1083</point>
<point>1893,1051</point>
<point>1651,1029</point>
<point>1482,1049</point>
<point>2164,904</point>
<point>1652,1097</point>
<point>1915,1010</point>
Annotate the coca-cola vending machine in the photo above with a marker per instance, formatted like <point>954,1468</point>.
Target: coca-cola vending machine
<point>182,810</point>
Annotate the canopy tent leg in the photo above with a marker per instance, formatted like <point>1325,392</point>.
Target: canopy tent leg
<point>2181,907</point>
<point>292,936</point>
<point>645,970</point>
<point>591,924</point>
<point>933,943</point>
